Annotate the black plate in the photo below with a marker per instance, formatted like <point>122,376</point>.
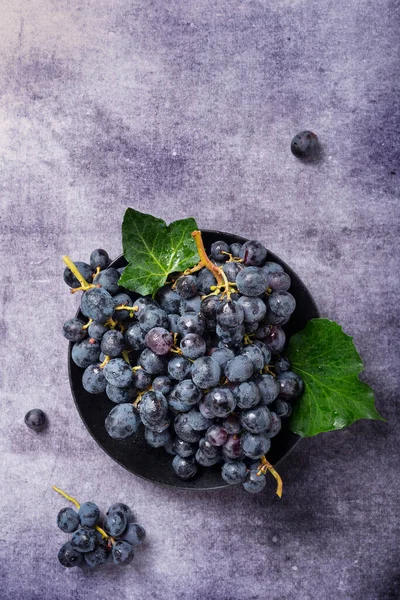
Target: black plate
<point>155,464</point>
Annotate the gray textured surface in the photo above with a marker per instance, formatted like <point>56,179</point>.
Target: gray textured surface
<point>188,108</point>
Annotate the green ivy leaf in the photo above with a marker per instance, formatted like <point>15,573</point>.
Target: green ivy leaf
<point>329,364</point>
<point>153,250</point>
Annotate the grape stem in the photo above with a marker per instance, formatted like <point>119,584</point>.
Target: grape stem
<point>231,258</point>
<point>140,395</point>
<point>88,324</point>
<point>77,505</point>
<point>266,466</point>
<point>132,309</point>
<point>267,369</point>
<point>73,268</point>
<point>219,274</point>
<point>105,361</point>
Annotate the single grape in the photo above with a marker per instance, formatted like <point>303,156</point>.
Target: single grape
<point>151,363</point>
<point>232,424</point>
<point>156,439</point>
<point>185,468</point>
<point>185,431</point>
<point>253,253</point>
<point>191,323</point>
<point>93,380</point>
<point>255,355</point>
<point>235,249</point>
<point>99,258</point>
<point>234,472</point>
<point>118,372</point>
<point>231,270</point>
<point>218,249</point>
<point>169,447</point>
<point>272,267</point>
<point>206,372</point>
<point>205,281</point>
<point>216,435</point>
<point>152,316</point>
<point>256,420</point>
<point>282,303</point>
<point>205,409</point>
<point>186,286</point>
<point>35,419</point>
<point>115,523</point>
<point>159,340</point>
<point>97,304</point>
<point>190,305</point>
<point>229,314</point>
<point>89,514</point>
<point>122,421</point>
<point>142,380</point>
<point>255,444</point>
<point>208,449</point>
<point>274,426</point>
<point>112,343</point>
<point>290,385</point>
<point>251,281</point>
<point>122,553</point>
<point>84,269</point>
<point>187,391</point>
<point>121,507</point>
<point>232,335</point>
<point>122,300</point>
<point>193,346</point>
<point>279,282</point>
<point>254,308</point>
<point>68,520</point>
<point>179,368</point>
<point>281,408</point>
<point>238,369</point>
<point>120,395</point>
<point>305,145</point>
<point>222,355</point>
<point>254,484</point>
<point>86,352</point>
<point>84,539</point>
<point>96,331</point>
<point>68,556</point>
<point>143,303</point>
<point>222,401</point>
<point>247,394</point>
<point>276,339</point>
<point>176,405</point>
<point>269,388</point>
<point>281,364</point>
<point>206,461</point>
<point>153,408</point>
<point>209,307</point>
<point>134,337</point>
<point>184,449</point>
<point>168,299</point>
<point>173,320</point>
<point>72,330</point>
<point>134,534</point>
<point>162,384</point>
<point>265,350</point>
<point>108,279</point>
<point>98,556</point>
<point>198,421</point>
<point>232,449</point>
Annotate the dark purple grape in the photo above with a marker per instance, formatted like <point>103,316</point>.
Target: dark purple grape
<point>216,435</point>
<point>159,340</point>
<point>253,253</point>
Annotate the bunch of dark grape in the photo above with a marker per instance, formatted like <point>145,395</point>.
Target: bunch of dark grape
<point>200,365</point>
<point>96,540</point>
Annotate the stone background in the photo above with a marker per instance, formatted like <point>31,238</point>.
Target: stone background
<point>186,108</point>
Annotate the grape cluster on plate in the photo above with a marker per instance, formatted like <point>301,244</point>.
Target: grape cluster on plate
<point>200,366</point>
<point>96,541</point>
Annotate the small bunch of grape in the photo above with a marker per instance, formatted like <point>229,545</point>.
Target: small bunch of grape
<point>96,541</point>
<point>200,366</point>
